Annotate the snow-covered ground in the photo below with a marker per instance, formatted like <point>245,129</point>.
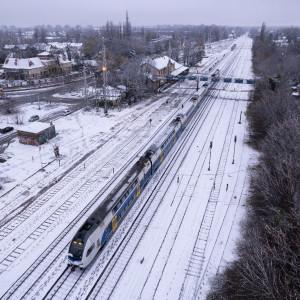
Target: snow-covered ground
<point>193,233</point>
<point>112,93</point>
<point>25,111</point>
<point>96,151</point>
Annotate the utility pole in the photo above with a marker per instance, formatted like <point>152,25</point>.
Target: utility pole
<point>104,72</point>
<point>39,102</point>
<point>235,138</point>
<point>170,50</point>
<point>210,147</point>
<point>85,86</point>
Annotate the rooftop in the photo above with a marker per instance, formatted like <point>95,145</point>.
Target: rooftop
<point>23,63</point>
<point>162,62</point>
<point>35,127</point>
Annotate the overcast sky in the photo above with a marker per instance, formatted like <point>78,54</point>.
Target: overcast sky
<point>150,12</point>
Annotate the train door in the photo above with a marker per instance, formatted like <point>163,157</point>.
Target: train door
<point>114,223</point>
<point>161,156</point>
<point>138,191</point>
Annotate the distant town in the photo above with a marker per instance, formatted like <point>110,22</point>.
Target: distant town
<point>149,162</point>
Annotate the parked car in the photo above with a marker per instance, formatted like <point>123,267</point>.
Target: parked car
<point>6,129</point>
<point>34,118</point>
<point>66,112</point>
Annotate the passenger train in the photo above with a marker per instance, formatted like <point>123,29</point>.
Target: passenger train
<point>100,226</point>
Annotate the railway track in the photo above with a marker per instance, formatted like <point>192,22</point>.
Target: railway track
<point>197,258</point>
<point>106,288</point>
<point>63,239</point>
<point>61,283</point>
<point>13,215</point>
<point>100,277</point>
<point>188,192</point>
<point>149,202</point>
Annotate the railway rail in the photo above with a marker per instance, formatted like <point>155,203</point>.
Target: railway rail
<point>66,281</point>
<point>64,238</point>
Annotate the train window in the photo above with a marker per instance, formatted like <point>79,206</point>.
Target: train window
<point>90,250</point>
<point>87,226</point>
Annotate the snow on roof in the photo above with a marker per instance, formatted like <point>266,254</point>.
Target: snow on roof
<point>91,62</point>
<point>63,59</point>
<point>75,45</point>
<point>179,70</point>
<point>121,87</point>
<point>162,62</point>
<point>42,46</point>
<point>23,63</point>
<point>45,53</point>
<point>58,45</point>
<point>8,47</point>
<point>35,127</point>
<point>22,46</point>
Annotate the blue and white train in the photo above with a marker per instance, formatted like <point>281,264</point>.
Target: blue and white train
<point>100,226</point>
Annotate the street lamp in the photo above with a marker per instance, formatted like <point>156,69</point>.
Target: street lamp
<point>235,138</point>
<point>210,147</point>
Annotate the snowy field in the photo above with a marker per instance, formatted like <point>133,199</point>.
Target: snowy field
<point>195,215</point>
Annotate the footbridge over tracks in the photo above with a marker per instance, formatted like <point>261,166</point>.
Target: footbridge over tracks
<point>207,78</point>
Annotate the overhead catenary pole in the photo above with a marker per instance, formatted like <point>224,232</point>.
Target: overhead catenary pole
<point>210,147</point>
<point>240,121</point>
<point>104,72</point>
<point>235,138</point>
<point>85,86</point>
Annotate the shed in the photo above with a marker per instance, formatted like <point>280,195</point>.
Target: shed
<point>36,133</point>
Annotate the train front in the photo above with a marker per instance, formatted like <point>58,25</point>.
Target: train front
<point>75,253</point>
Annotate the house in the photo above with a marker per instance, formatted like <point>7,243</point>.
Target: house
<point>64,63</point>
<point>282,41</point>
<point>24,68</point>
<point>296,91</point>
<point>36,133</point>
<point>9,47</point>
<point>160,68</point>
<point>44,65</point>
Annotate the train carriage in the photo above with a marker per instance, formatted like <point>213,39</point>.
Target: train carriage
<point>100,226</point>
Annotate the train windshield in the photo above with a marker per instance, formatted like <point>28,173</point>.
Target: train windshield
<point>76,248</point>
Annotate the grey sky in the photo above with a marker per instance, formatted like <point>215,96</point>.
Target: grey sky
<point>150,12</point>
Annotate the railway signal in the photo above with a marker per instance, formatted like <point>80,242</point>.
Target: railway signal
<point>240,121</point>
<point>210,147</point>
<point>235,139</point>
